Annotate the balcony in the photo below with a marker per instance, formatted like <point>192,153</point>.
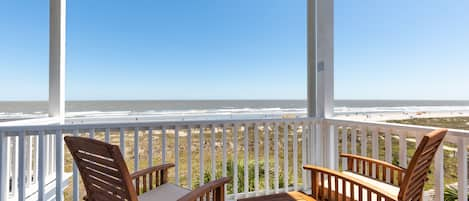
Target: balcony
<point>246,150</point>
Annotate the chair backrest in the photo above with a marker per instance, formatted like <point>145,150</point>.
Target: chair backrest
<point>103,170</point>
<point>416,174</point>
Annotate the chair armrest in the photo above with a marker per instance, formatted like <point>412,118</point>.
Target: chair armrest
<point>384,171</point>
<point>214,189</point>
<point>349,186</point>
<point>156,175</point>
<point>146,171</point>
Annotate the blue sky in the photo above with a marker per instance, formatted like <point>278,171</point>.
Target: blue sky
<point>236,49</point>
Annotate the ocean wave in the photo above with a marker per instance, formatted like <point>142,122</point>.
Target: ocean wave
<point>232,112</point>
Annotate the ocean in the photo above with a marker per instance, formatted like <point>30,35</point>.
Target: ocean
<point>216,109</point>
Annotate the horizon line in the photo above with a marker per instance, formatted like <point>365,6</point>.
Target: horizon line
<point>79,100</point>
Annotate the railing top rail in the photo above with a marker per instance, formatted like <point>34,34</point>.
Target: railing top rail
<point>395,126</point>
<point>153,124</point>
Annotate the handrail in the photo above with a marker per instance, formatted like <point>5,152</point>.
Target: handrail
<point>158,124</point>
<point>168,138</point>
<point>301,135</point>
<point>452,134</point>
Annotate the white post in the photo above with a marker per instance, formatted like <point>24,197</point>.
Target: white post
<point>311,60</point>
<point>59,166</point>
<point>42,172</point>
<point>325,73</point>
<point>4,177</point>
<point>462,169</point>
<point>57,59</point>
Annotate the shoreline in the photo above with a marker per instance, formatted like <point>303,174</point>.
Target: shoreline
<point>388,116</point>
<point>371,116</point>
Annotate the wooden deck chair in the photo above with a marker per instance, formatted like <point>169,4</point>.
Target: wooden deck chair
<point>106,177</point>
<point>367,179</point>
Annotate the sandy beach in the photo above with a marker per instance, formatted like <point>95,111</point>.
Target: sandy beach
<point>386,116</point>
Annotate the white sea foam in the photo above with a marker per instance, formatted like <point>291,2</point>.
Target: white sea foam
<point>235,113</point>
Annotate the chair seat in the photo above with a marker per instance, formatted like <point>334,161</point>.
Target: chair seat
<point>165,192</point>
<point>392,190</point>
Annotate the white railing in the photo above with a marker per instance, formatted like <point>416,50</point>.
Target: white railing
<point>391,142</point>
<point>275,151</point>
<point>262,156</point>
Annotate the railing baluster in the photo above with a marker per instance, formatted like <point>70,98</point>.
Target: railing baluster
<point>224,151</point>
<point>107,135</point>
<point>363,137</point>
<point>314,141</point>
<point>36,158</point>
<point>439,175</point>
<point>92,133</point>
<point>14,172</point>
<point>388,146</point>
<point>49,154</point>
<point>163,145</point>
<point>76,184</point>
<point>388,152</point>
<point>4,166</point>
<point>354,145</point>
<point>42,172</point>
<point>295,156</point>
<point>462,169</point>
<point>375,149</point>
<point>266,159</point>
<point>54,158</point>
<point>29,160</point>
<point>122,141</point>
<point>343,130</point>
<point>212,151</point>
<point>59,168</point>
<point>246,159</point>
<point>303,156</point>
<point>21,166</point>
<point>176,155</point>
<point>189,157</point>
<point>201,154</point>
<point>256,158</point>
<point>336,147</point>
<point>235,160</point>
<point>402,149</point>
<point>150,147</point>
<point>276,163</point>
<point>224,158</point>
<point>48,150</point>
<point>418,138</point>
<point>353,140</point>
<point>136,154</point>
<point>285,157</point>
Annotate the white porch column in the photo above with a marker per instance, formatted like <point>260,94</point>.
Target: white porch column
<point>320,52</point>
<point>325,79</point>
<point>57,58</point>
